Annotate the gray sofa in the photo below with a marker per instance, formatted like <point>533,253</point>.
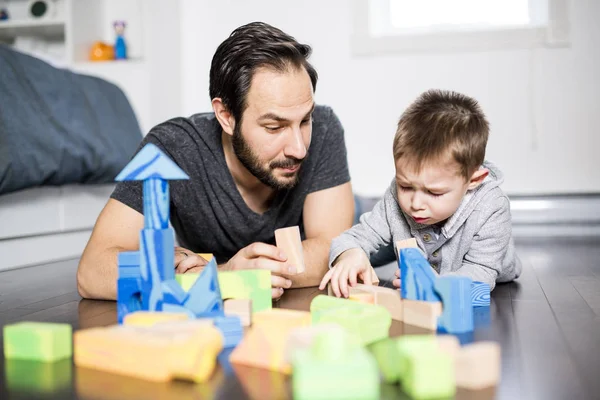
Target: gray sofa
<point>63,138</point>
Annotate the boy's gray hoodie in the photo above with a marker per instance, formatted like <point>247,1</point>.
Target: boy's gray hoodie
<point>476,241</point>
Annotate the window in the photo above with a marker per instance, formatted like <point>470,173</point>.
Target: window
<point>383,26</point>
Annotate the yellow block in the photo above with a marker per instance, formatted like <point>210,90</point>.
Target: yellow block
<point>206,256</point>
<point>149,318</point>
<point>148,353</point>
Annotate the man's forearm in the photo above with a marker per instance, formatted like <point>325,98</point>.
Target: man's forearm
<point>316,255</point>
<point>97,275</point>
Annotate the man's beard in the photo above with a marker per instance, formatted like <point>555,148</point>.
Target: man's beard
<point>252,163</point>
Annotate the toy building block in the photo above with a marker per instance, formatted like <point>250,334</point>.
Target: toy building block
<point>232,330</point>
<point>187,280</point>
<point>369,322</point>
<point>362,297</point>
<point>206,256</point>
<point>149,318</point>
<point>302,338</point>
<point>423,314</point>
<point>173,293</point>
<point>335,368</point>
<point>428,375</point>
<point>386,354</point>
<point>37,341</point>
<point>34,379</point>
<point>387,297</point>
<point>417,276</point>
<point>457,316</point>
<point>276,317</point>
<point>289,241</point>
<point>247,284</point>
<point>264,347</point>
<point>204,297</point>
<point>406,244</point>
<point>241,308</point>
<point>129,264</point>
<point>153,354</point>
<point>129,297</point>
<point>480,294</point>
<point>478,366</point>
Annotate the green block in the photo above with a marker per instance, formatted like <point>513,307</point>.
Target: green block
<point>34,377</point>
<point>386,354</point>
<point>253,284</point>
<point>187,280</point>
<point>429,375</point>
<point>246,284</point>
<point>413,344</point>
<point>334,368</point>
<point>39,341</point>
<point>369,322</point>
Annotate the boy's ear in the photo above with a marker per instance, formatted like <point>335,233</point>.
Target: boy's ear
<point>223,115</point>
<point>477,178</point>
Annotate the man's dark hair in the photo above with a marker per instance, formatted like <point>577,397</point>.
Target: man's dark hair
<point>249,47</point>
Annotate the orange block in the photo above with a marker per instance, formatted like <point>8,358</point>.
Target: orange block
<point>290,242</point>
<point>477,365</point>
<point>148,353</point>
<point>362,297</point>
<point>264,344</point>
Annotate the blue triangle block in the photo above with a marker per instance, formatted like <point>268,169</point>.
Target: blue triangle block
<point>457,314</point>
<point>151,162</point>
<point>173,293</point>
<point>417,276</point>
<point>204,298</point>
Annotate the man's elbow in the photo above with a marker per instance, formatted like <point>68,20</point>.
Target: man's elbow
<point>82,284</point>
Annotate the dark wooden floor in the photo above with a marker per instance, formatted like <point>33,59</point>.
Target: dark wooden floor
<point>548,324</point>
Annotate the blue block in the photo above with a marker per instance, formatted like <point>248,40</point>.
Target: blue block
<point>129,259</point>
<point>223,359</point>
<point>156,265</point>
<point>417,276</point>
<point>129,297</point>
<point>156,204</point>
<point>457,314</point>
<point>151,162</point>
<point>480,294</point>
<point>231,328</point>
<point>205,294</point>
<point>173,293</point>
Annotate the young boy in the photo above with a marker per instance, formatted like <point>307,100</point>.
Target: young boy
<point>444,195</point>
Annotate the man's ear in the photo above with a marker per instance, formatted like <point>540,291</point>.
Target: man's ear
<point>223,115</point>
<point>477,178</point>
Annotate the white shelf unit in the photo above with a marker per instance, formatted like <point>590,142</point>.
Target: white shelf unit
<point>150,78</point>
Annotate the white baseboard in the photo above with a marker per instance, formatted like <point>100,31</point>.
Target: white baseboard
<point>35,250</point>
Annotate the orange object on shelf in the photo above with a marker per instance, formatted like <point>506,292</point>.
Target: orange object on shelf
<point>102,52</point>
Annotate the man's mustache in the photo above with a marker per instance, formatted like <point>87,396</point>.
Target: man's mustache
<point>287,163</point>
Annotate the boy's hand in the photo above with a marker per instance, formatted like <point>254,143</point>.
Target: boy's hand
<point>396,282</point>
<point>349,266</point>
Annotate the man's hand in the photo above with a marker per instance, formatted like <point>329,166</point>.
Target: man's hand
<point>188,261</point>
<point>348,267</point>
<point>264,256</point>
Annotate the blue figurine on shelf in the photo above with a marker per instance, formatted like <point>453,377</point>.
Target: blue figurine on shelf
<point>3,14</point>
<point>120,45</point>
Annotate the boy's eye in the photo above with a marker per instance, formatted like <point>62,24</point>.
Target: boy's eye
<point>404,187</point>
<point>436,194</point>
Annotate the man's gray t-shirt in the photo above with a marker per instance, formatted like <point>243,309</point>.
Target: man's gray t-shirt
<point>208,212</point>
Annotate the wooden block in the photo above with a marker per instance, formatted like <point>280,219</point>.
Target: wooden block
<point>423,314</point>
<point>362,297</point>
<point>248,284</point>
<point>455,292</point>
<point>241,308</point>
<point>301,338</point>
<point>406,244</point>
<point>417,277</point>
<point>289,241</point>
<point>149,318</point>
<point>478,366</point>
<point>37,341</point>
<point>151,354</point>
<point>480,294</point>
<point>264,346</point>
<point>386,297</point>
<point>276,317</point>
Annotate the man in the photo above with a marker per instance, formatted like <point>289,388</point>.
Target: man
<point>266,158</point>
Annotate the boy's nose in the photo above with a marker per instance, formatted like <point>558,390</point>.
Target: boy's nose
<point>417,202</point>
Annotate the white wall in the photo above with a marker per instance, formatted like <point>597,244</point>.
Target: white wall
<point>542,104</point>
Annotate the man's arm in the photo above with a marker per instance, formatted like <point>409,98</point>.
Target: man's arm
<point>117,229</point>
<point>326,214</point>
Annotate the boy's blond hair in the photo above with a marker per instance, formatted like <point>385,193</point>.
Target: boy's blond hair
<point>442,123</point>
